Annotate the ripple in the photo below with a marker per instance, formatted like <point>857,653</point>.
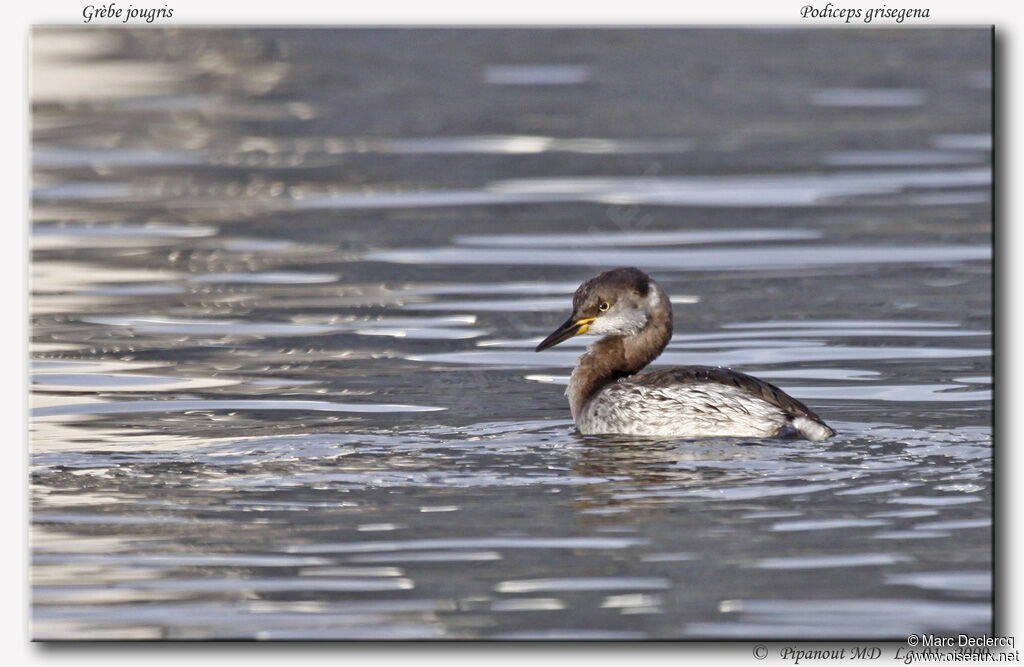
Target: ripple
<point>358,619</point>
<point>495,305</point>
<point>56,278</point>
<point>756,491</point>
<point>935,501</point>
<point>894,392</point>
<point>768,337</point>
<point>843,618</point>
<point>257,245</point>
<point>89,382</point>
<point>186,405</point>
<point>268,585</point>
<point>838,324</point>
<point>573,584</point>
<point>950,198</point>
<point>954,525</point>
<point>91,365</point>
<point>472,543</point>
<point>981,141</point>
<point>350,571</point>
<point>508,144</point>
<point>742,259</point>
<point>867,97</point>
<point>52,157</point>
<point>903,535</point>
<point>536,75</point>
<point>183,559</point>
<point>379,629</point>
<point>528,604</point>
<point>82,191</point>
<point>901,158</point>
<point>494,288</point>
<point>729,358</point>
<point>444,327</point>
<point>429,557</point>
<point>670,557</point>
<point>825,524</point>
<point>571,634</point>
<point>423,333</point>
<point>136,289</point>
<point>796,190</point>
<point>390,479</point>
<point>619,240</point>
<point>632,602</point>
<point>112,519</point>
<point>151,230</point>
<point>267,278</point>
<point>217,327</point>
<point>958,581</point>
<point>888,487</point>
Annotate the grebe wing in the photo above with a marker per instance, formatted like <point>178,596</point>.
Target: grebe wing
<point>801,417</point>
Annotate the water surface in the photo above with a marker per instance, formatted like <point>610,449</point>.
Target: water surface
<point>283,318</point>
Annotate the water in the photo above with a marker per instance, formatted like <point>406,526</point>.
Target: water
<point>286,285</point>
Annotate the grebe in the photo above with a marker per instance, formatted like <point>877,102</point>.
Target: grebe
<point>605,396</point>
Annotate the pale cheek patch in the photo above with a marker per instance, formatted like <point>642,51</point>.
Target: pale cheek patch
<point>619,323</point>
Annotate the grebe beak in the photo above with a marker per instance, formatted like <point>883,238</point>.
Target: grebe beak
<point>571,327</point>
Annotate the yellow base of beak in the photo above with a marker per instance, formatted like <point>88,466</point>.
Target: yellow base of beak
<point>568,329</point>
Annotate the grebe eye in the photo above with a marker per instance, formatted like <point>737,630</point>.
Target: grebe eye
<point>602,306</point>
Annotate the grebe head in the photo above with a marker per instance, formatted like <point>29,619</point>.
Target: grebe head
<point>620,302</point>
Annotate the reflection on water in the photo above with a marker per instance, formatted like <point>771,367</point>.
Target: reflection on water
<point>731,191</point>
<point>868,97</point>
<point>749,259</point>
<point>283,383</point>
<point>536,75</point>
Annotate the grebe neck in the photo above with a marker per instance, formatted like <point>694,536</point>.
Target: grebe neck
<point>615,357</point>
